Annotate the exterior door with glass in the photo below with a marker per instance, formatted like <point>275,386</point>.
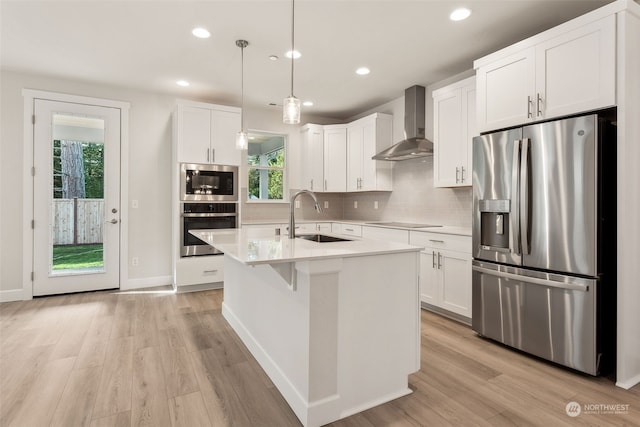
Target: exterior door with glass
<point>76,189</point>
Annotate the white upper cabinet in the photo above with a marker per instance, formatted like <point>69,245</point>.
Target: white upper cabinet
<point>206,134</point>
<point>335,158</point>
<point>549,76</point>
<point>312,157</point>
<point>454,126</point>
<point>365,138</point>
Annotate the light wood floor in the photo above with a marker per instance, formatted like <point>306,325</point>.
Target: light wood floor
<point>117,359</point>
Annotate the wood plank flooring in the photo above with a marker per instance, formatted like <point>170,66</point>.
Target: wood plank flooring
<point>162,359</point>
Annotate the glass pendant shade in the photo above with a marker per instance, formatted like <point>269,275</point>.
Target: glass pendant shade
<point>242,140</point>
<point>291,110</point>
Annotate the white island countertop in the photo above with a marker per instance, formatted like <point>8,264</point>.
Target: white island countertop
<point>253,246</point>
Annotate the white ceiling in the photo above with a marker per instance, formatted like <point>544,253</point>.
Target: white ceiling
<point>148,45</point>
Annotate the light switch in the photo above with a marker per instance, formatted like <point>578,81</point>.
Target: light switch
<point>326,204</point>
<point>355,204</point>
<point>134,204</point>
<point>375,204</point>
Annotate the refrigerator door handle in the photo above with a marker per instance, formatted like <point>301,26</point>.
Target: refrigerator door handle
<point>533,280</point>
<point>514,217</point>
<point>524,196</point>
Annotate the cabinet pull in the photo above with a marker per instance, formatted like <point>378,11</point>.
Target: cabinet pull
<point>311,185</point>
<point>529,102</point>
<point>210,271</point>
<point>349,229</point>
<point>213,155</point>
<point>325,185</point>
<point>462,174</point>
<point>208,149</point>
<point>538,102</point>
<point>439,261</point>
<point>433,259</point>
<point>457,175</point>
<point>436,241</point>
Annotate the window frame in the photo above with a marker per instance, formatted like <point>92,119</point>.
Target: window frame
<point>284,168</point>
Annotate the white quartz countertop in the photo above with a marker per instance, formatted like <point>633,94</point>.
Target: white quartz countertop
<point>253,246</point>
<point>442,229</point>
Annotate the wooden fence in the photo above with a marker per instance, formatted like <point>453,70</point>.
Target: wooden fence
<point>77,221</point>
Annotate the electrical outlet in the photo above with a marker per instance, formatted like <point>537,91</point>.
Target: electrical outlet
<point>326,204</point>
<point>375,204</point>
<point>355,204</point>
<point>297,204</point>
<point>134,261</point>
<point>134,204</point>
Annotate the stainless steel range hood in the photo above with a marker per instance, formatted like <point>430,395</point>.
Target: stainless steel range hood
<point>414,144</point>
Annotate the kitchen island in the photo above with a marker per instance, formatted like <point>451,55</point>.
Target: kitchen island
<point>336,326</point>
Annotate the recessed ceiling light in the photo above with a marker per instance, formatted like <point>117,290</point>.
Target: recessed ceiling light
<point>273,57</point>
<point>460,14</point>
<point>182,83</point>
<point>363,71</point>
<point>296,54</point>
<point>307,104</point>
<point>201,33</point>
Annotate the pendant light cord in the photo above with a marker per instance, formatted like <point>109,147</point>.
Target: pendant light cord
<point>242,89</point>
<point>293,20</point>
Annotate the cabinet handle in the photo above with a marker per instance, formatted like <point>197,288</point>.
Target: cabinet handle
<point>433,259</point>
<point>436,241</point>
<point>311,185</point>
<point>457,175</point>
<point>462,175</point>
<point>349,229</point>
<point>213,155</point>
<point>439,261</point>
<point>208,149</point>
<point>210,271</point>
<point>529,102</point>
<point>538,102</point>
<point>325,185</point>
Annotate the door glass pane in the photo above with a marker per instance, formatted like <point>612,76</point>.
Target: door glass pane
<point>77,204</point>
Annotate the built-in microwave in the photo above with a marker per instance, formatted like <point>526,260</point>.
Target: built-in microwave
<point>208,183</point>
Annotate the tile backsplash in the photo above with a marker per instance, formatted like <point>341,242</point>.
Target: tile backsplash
<point>413,199</point>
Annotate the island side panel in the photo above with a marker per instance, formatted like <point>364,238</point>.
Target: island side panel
<point>344,341</point>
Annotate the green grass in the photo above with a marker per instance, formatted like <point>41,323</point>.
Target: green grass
<point>77,257</point>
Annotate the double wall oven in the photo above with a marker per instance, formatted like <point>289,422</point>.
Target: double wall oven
<point>208,200</point>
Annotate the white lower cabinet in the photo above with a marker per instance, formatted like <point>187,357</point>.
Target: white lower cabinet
<point>199,270</point>
<point>386,234</point>
<point>445,271</point>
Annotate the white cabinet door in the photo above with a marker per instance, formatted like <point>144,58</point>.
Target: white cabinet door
<point>386,234</point>
<point>335,158</point>
<point>324,227</point>
<point>354,157</point>
<point>312,157</point>
<point>429,278</point>
<point>224,127</point>
<point>454,115</point>
<point>505,91</point>
<point>455,290</point>
<point>576,71</point>
<point>194,134</point>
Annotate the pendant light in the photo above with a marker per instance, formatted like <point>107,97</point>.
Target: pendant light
<point>242,140</point>
<point>291,104</point>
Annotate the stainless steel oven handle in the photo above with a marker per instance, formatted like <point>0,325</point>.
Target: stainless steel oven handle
<point>514,217</point>
<point>207,215</point>
<point>533,280</point>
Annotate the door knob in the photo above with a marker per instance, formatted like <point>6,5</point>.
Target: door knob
<point>114,210</point>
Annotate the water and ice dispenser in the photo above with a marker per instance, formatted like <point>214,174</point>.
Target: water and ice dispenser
<point>494,224</point>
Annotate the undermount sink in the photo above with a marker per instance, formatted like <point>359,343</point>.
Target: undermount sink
<point>321,238</point>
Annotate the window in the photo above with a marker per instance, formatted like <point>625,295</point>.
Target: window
<point>266,166</point>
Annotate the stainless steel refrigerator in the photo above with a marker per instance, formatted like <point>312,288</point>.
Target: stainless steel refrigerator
<point>544,201</point>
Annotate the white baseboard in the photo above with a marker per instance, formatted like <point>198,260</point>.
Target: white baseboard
<point>629,382</point>
<point>146,282</point>
<point>12,295</point>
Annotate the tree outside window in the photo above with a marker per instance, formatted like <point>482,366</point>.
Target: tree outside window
<point>266,166</point>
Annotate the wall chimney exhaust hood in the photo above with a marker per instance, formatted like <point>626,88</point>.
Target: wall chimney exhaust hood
<point>414,144</point>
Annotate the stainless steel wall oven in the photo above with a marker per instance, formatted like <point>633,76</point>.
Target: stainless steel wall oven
<point>201,216</point>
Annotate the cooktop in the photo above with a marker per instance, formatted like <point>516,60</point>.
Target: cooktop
<point>404,224</point>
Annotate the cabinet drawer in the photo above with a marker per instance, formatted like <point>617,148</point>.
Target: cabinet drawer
<point>348,229</point>
<point>451,242</point>
<point>199,270</point>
